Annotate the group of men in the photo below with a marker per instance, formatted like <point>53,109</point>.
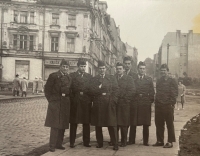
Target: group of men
<point>119,102</point>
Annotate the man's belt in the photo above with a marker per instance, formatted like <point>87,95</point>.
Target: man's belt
<point>64,95</point>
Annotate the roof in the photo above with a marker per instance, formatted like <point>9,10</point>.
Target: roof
<point>79,3</point>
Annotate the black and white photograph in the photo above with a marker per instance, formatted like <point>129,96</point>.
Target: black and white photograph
<point>99,78</point>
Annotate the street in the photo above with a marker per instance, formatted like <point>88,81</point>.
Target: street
<point>22,126</point>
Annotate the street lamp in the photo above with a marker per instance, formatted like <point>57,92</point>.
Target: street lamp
<point>168,54</point>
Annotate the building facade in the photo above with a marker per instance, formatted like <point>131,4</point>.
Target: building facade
<point>37,35</point>
<point>182,52</point>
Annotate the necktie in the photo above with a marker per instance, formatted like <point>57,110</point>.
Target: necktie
<point>140,78</point>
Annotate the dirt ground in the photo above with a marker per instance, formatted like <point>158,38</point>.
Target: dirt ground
<point>190,138</point>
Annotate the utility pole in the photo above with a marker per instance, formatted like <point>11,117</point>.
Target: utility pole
<point>168,54</point>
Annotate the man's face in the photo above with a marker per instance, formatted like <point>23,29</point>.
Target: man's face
<point>82,68</point>
<point>102,70</point>
<point>127,65</point>
<point>64,69</point>
<point>141,70</point>
<point>119,70</point>
<point>163,72</point>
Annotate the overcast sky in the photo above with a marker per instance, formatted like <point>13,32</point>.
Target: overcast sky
<point>144,23</point>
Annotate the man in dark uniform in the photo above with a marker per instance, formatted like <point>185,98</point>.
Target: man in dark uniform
<point>80,103</point>
<point>105,90</point>
<point>126,92</point>
<point>144,97</point>
<point>166,94</point>
<point>57,90</point>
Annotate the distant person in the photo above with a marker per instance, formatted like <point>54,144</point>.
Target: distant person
<point>166,94</point>
<point>16,85</point>
<point>24,86</point>
<point>35,85</point>
<point>181,94</point>
<point>40,87</point>
<point>57,91</point>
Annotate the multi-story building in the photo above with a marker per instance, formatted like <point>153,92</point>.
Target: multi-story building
<point>36,35</point>
<point>182,52</point>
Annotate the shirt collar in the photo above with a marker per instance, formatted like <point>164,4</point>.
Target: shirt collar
<point>102,75</point>
<point>120,76</point>
<point>141,76</point>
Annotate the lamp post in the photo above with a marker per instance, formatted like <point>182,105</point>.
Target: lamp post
<point>168,54</point>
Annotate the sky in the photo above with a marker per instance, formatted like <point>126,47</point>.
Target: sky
<point>144,23</point>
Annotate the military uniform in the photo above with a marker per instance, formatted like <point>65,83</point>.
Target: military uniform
<point>57,90</point>
<point>105,92</point>
<point>144,97</point>
<point>166,94</point>
<point>80,106</point>
<point>126,92</point>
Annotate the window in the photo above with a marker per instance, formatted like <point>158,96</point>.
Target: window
<point>70,45</point>
<point>32,17</point>
<point>15,16</point>
<point>55,19</point>
<point>71,20</point>
<point>15,41</point>
<point>54,44</point>
<point>23,16</point>
<point>23,42</point>
<point>31,43</point>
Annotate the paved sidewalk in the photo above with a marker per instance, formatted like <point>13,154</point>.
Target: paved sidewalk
<point>29,96</point>
<point>181,117</point>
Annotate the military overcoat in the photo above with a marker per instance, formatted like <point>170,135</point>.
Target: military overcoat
<point>126,93</point>
<point>57,90</point>
<point>133,107</point>
<point>104,106</point>
<point>80,99</point>
<point>144,97</point>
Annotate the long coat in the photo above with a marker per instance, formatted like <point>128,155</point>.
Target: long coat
<point>40,85</point>
<point>57,90</point>
<point>80,104</point>
<point>24,85</point>
<point>126,93</point>
<point>144,97</point>
<point>16,84</point>
<point>133,106</point>
<point>104,106</point>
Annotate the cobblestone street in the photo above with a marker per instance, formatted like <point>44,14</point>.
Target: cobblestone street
<point>22,126</point>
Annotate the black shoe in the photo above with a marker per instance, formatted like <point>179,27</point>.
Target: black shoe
<point>131,143</point>
<point>145,144</point>
<point>168,145</point>
<point>87,145</point>
<point>123,145</point>
<point>99,146</point>
<point>60,147</point>
<point>115,148</point>
<point>110,143</point>
<point>71,145</point>
<point>158,144</point>
<point>52,149</point>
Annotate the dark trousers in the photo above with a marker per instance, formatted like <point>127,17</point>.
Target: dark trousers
<point>113,135</point>
<point>23,93</point>
<point>56,137</point>
<point>132,134</point>
<point>15,92</point>
<point>86,133</point>
<point>164,114</point>
<point>124,131</point>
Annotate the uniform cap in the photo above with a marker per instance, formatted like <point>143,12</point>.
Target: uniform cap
<point>119,64</point>
<point>164,66</point>
<point>101,63</point>
<point>127,58</point>
<point>81,61</point>
<point>141,64</point>
<point>64,62</point>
